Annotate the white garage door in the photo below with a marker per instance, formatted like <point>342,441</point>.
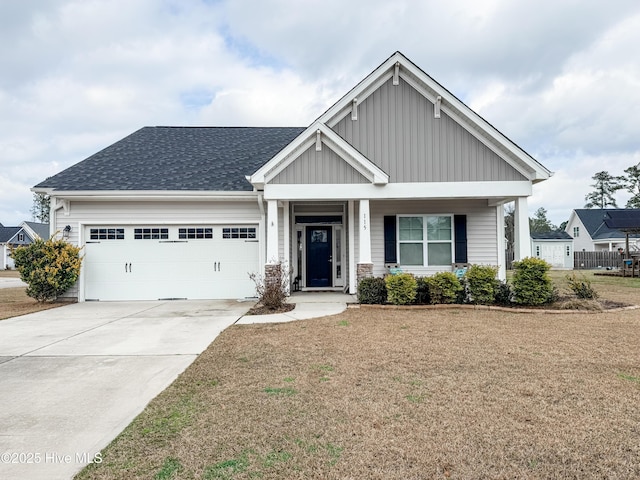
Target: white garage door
<point>161,262</point>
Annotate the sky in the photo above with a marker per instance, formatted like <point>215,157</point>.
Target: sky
<point>560,78</point>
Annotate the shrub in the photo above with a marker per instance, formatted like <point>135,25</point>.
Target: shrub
<point>581,287</point>
<point>503,294</point>
<point>401,288</point>
<point>531,282</point>
<point>372,290</point>
<point>481,281</point>
<point>422,291</point>
<point>443,287</point>
<point>272,292</point>
<point>48,267</point>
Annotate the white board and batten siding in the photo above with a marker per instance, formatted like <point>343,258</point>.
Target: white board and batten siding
<point>172,267</point>
<point>481,229</point>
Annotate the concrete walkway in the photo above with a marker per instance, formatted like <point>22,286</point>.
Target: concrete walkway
<point>308,305</point>
<point>10,282</point>
<point>72,378</point>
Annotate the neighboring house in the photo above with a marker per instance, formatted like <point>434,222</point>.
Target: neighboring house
<point>12,237</point>
<point>556,248</point>
<point>399,172</point>
<point>591,233</point>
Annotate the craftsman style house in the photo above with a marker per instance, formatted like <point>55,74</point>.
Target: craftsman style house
<point>398,173</point>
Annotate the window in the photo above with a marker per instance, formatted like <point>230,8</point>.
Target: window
<point>239,232</point>
<point>425,237</point>
<point>106,234</point>
<point>151,233</point>
<point>195,232</point>
<point>568,251</point>
<point>21,237</point>
<point>576,232</point>
<point>537,250</point>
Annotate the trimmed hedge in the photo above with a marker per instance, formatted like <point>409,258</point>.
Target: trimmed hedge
<point>531,283</point>
<point>443,287</point>
<point>401,288</point>
<point>372,290</point>
<point>481,282</point>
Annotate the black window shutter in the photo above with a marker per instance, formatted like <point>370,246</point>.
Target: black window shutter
<point>460,235</point>
<point>390,239</point>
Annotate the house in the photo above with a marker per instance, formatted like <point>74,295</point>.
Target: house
<point>398,172</point>
<point>11,237</point>
<point>590,231</point>
<point>555,248</point>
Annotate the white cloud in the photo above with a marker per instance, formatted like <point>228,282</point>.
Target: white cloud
<point>561,79</point>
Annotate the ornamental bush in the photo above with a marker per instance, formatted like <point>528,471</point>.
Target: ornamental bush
<point>48,267</point>
<point>481,283</point>
<point>401,288</point>
<point>422,291</point>
<point>531,283</point>
<point>372,290</point>
<point>582,287</point>
<point>443,288</point>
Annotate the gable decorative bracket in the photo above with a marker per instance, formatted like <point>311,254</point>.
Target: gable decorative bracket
<point>62,203</point>
<point>318,141</point>
<point>396,74</point>
<point>354,109</point>
<point>436,107</point>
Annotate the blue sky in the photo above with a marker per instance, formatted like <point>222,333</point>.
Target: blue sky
<point>561,79</point>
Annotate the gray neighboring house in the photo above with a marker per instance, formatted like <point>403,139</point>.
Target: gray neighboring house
<point>556,248</point>
<point>397,173</point>
<point>590,233</point>
<point>11,237</point>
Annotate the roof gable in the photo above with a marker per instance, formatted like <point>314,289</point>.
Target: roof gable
<point>398,71</point>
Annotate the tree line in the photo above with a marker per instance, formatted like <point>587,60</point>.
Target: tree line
<point>605,187</point>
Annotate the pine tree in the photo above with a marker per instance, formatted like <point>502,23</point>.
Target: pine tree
<point>40,208</point>
<point>632,185</point>
<point>605,187</point>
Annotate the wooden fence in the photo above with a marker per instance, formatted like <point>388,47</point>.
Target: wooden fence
<point>602,259</point>
<point>583,260</point>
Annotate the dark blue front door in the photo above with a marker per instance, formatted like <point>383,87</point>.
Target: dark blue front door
<point>319,271</point>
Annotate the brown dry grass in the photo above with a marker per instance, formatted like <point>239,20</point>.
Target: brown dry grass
<point>15,302</point>
<point>401,394</point>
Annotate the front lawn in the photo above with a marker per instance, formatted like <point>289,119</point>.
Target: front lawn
<point>393,393</point>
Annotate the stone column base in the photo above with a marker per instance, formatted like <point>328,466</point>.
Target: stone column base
<point>364,270</point>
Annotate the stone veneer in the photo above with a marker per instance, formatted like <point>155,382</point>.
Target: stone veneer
<point>364,270</point>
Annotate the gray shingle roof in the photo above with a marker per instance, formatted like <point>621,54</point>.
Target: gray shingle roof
<point>177,158</point>
<point>41,229</point>
<point>7,233</point>
<point>551,236</point>
<point>593,220</point>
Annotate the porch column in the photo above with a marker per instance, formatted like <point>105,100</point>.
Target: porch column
<point>352,246</point>
<point>272,232</point>
<point>522,238</point>
<point>502,244</point>
<point>365,266</point>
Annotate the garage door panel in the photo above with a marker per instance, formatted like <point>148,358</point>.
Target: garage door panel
<point>149,269</point>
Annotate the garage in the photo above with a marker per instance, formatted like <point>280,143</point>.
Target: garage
<point>152,262</point>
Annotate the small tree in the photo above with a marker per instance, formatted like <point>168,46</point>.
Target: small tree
<point>632,185</point>
<point>41,207</point>
<point>540,223</point>
<point>605,186</point>
<point>48,267</point>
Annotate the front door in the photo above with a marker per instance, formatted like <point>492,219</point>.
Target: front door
<point>319,248</point>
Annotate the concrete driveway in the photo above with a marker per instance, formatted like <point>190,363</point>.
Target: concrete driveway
<point>72,378</point>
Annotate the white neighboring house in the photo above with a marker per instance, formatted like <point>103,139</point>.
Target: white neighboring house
<point>556,248</point>
<point>590,233</point>
<point>11,237</point>
<point>398,172</point>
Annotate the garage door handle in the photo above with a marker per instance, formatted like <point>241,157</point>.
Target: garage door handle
<point>127,269</point>
<point>216,266</point>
